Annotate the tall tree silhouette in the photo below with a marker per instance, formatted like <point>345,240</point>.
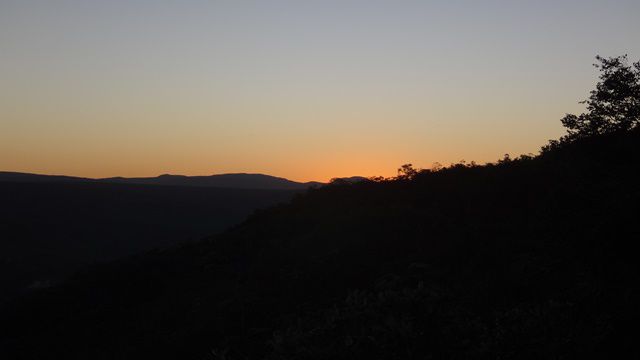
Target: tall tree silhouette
<point>614,105</point>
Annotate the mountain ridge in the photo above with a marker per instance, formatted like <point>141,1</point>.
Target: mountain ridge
<point>227,180</point>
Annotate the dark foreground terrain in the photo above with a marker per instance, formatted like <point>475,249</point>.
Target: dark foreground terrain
<point>532,258</point>
<point>52,226</point>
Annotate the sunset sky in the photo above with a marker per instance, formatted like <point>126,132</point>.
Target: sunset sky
<point>306,90</point>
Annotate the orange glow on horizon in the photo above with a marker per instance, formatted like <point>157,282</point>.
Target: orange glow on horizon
<point>310,93</point>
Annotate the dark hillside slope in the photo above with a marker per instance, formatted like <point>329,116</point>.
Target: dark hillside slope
<point>525,259</point>
<point>50,229</point>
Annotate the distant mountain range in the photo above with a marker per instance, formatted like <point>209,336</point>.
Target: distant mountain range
<point>235,181</point>
<point>51,226</point>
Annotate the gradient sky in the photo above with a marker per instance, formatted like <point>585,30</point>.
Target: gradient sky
<point>306,90</point>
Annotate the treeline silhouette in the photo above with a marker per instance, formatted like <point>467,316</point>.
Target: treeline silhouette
<point>526,258</point>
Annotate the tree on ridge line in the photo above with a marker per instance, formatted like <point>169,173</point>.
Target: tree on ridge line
<point>613,106</point>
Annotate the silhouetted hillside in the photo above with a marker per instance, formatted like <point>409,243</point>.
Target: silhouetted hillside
<point>50,229</point>
<point>532,258</point>
<point>8,176</point>
<point>234,181</point>
<point>237,181</point>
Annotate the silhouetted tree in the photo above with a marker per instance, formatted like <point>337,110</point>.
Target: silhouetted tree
<point>407,172</point>
<point>505,159</point>
<point>615,103</point>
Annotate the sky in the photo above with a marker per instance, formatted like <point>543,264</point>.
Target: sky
<point>306,90</point>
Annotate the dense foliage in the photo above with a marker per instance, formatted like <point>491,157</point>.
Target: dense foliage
<point>614,105</point>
